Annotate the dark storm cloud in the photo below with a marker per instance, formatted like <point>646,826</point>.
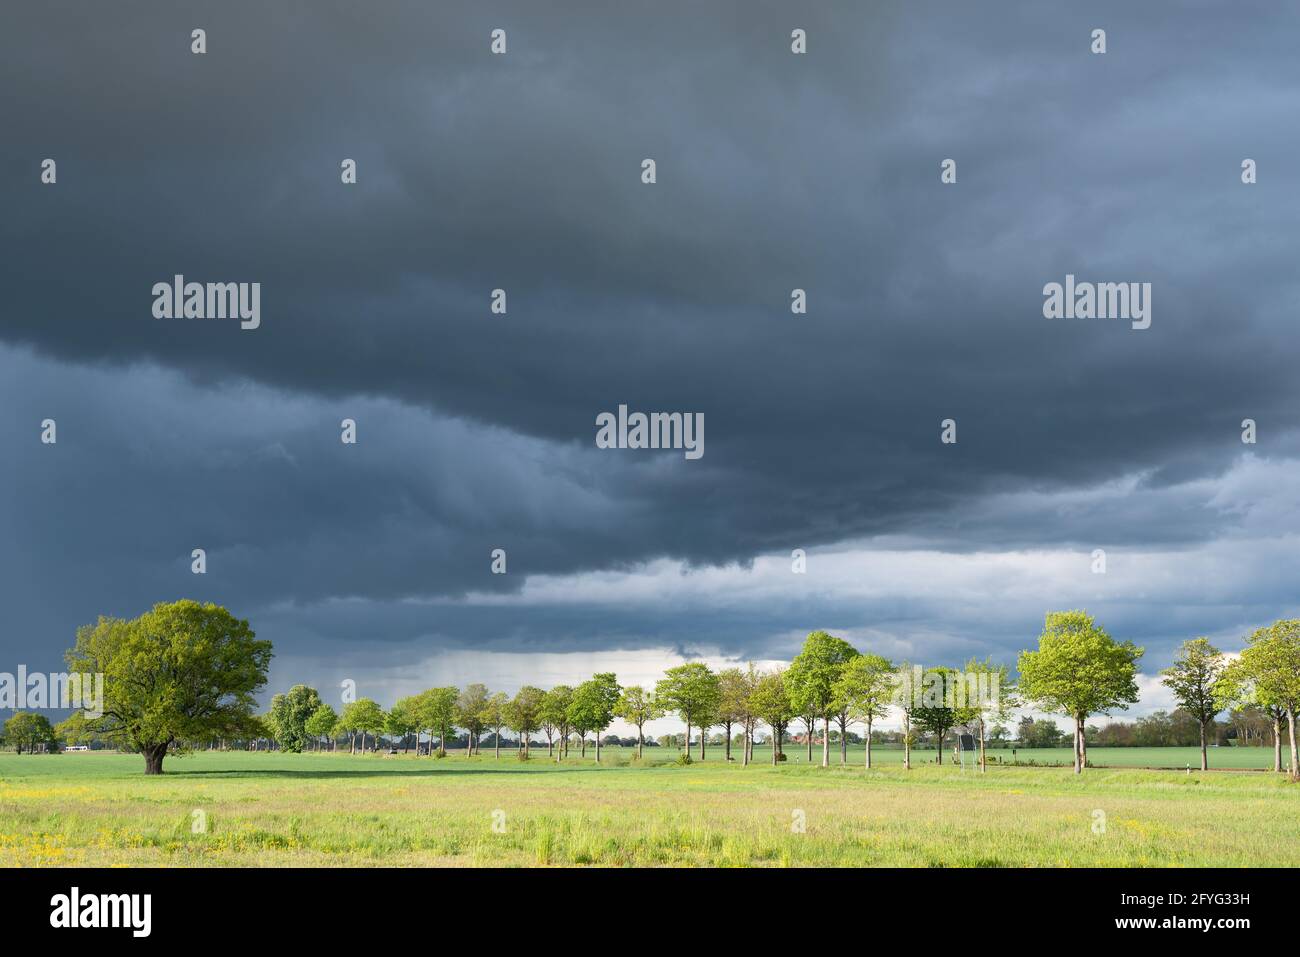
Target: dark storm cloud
<point>775,172</point>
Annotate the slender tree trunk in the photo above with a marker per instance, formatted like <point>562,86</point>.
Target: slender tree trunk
<point>907,743</point>
<point>640,742</point>
<point>983,757</point>
<point>826,741</point>
<point>1205,757</point>
<point>866,763</point>
<point>687,746</point>
<point>1295,755</point>
<point>598,747</point>
<point>727,728</point>
<point>1277,743</point>
<point>775,735</point>
<point>844,741</point>
<point>811,724</point>
<point>1078,745</point>
<point>496,744</point>
<point>704,734</point>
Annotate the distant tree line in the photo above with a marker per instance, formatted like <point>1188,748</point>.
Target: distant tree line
<point>184,675</point>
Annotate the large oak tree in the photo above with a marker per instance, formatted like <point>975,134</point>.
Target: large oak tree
<point>181,672</point>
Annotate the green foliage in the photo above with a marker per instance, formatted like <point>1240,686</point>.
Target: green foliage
<point>469,707</point>
<point>998,708</point>
<point>592,708</point>
<point>435,711</point>
<point>865,686</point>
<point>734,688</point>
<point>811,677</point>
<point>322,723</point>
<point>363,716</point>
<point>1042,733</point>
<point>181,671</point>
<point>1195,677</point>
<point>74,730</point>
<point>1269,666</point>
<point>692,690</point>
<point>402,717</point>
<point>288,716</point>
<point>523,714</point>
<point>554,712</point>
<point>771,702</point>
<point>26,731</point>
<point>937,711</point>
<point>493,714</point>
<point>1078,668</point>
<point>636,706</point>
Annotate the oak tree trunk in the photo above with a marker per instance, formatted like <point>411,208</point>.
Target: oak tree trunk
<point>153,758</point>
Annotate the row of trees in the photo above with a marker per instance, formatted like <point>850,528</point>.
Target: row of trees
<point>185,673</point>
<point>1078,670</point>
<point>1264,678</point>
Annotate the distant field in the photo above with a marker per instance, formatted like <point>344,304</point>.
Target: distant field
<point>272,809</point>
<point>1228,758</point>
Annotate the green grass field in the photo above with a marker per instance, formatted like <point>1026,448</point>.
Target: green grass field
<point>1158,758</point>
<point>272,809</point>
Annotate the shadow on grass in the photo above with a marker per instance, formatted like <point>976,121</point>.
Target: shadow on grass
<point>371,772</point>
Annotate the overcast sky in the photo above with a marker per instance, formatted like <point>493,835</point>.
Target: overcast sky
<point>523,171</point>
